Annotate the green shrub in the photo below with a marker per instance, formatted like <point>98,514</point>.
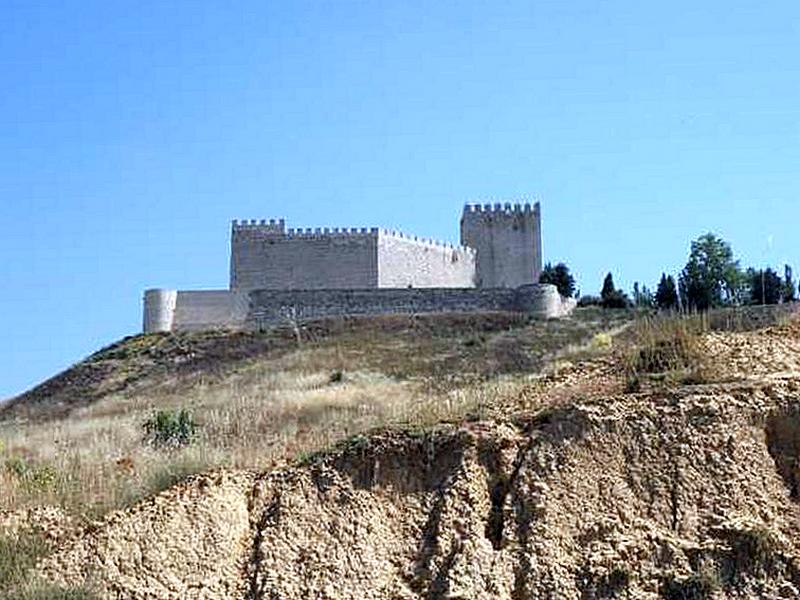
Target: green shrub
<point>18,554</point>
<point>31,475</point>
<point>168,429</point>
<point>590,300</point>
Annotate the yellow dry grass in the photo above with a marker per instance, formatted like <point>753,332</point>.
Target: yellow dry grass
<point>267,411</point>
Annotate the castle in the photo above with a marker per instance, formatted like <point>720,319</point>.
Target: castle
<point>279,273</point>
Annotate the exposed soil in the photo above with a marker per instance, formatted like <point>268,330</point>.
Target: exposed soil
<point>679,491</point>
<point>689,492</point>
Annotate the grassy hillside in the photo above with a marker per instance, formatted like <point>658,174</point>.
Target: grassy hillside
<point>432,456</point>
<point>259,398</point>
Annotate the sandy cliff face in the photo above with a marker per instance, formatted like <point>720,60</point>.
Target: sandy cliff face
<point>679,492</point>
<point>630,496</point>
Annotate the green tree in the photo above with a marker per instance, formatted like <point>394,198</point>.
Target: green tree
<point>766,286</point>
<point>667,293</point>
<point>788,284</point>
<point>560,277</point>
<point>642,296</point>
<point>712,276</point>
<point>611,296</point>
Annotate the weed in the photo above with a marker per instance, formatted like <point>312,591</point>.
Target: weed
<point>171,475</point>
<point>700,586</point>
<point>18,554</point>
<point>168,429</point>
<point>602,341</point>
<point>47,592</point>
<point>753,549</point>
<point>668,349</point>
<point>609,584</point>
<point>32,476</point>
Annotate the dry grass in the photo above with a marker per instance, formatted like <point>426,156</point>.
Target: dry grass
<point>672,349</point>
<point>272,406</point>
<point>666,349</point>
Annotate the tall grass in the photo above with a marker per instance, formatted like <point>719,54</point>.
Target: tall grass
<point>255,413</point>
<point>668,349</point>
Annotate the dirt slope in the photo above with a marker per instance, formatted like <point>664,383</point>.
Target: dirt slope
<point>673,492</point>
<point>689,494</point>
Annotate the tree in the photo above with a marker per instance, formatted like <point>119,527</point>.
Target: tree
<point>642,297</point>
<point>766,286</point>
<point>611,296</point>
<point>667,293</point>
<point>712,276</point>
<point>788,284</point>
<point>560,277</point>
<point>608,287</point>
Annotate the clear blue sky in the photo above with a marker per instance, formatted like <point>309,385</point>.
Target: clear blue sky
<point>131,133</point>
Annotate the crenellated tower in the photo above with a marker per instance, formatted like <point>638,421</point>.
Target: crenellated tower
<point>508,242</point>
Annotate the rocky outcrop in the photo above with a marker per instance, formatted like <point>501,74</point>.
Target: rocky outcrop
<point>628,496</point>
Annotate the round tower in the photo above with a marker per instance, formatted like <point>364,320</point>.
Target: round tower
<point>159,310</point>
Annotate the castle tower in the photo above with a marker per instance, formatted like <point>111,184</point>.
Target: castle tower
<point>508,242</point>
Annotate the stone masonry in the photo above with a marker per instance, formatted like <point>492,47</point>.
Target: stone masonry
<point>278,273</point>
<point>267,256</point>
<point>508,242</point>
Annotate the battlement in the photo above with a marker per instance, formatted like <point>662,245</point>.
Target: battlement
<point>255,223</point>
<point>364,270</point>
<point>277,227</point>
<point>428,242</point>
<point>508,241</point>
<point>502,208</point>
<point>321,232</point>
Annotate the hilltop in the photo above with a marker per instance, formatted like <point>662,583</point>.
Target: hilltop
<point>654,461</point>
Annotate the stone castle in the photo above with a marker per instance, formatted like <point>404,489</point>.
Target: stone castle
<point>279,273</point>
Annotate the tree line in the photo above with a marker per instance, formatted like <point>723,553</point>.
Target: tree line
<point>711,278</point>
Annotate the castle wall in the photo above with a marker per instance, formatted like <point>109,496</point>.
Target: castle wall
<point>213,309</point>
<point>270,308</point>
<point>159,310</point>
<point>267,257</point>
<point>508,243</point>
<point>406,261</point>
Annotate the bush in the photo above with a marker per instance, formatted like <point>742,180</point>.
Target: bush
<point>588,300</point>
<point>754,549</point>
<point>169,429</point>
<point>602,341</point>
<point>560,277</point>
<point>611,296</point>
<point>18,554</point>
<point>32,476</point>
<point>668,349</point>
<point>695,587</point>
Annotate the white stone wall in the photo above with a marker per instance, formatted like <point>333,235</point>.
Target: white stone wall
<point>224,309</point>
<point>159,310</point>
<point>303,259</point>
<point>210,309</point>
<point>405,261</point>
<point>508,242</point>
